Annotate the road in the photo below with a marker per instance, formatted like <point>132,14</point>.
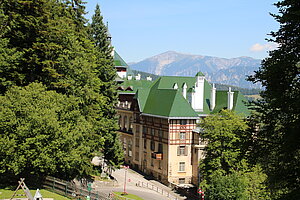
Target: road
<point>131,186</point>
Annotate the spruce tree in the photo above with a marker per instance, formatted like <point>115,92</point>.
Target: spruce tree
<point>277,143</point>
<point>107,73</point>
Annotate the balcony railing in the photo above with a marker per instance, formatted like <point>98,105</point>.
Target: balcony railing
<point>124,105</point>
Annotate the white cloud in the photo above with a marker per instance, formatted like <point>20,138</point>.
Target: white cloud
<point>264,47</point>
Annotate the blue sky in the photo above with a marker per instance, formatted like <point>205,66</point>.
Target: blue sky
<point>227,29</point>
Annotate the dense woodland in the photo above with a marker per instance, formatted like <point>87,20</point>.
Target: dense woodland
<point>57,90</point>
<point>259,158</point>
<point>57,99</point>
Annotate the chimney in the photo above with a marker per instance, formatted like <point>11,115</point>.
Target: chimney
<point>230,99</point>
<point>213,97</point>
<point>175,86</point>
<point>198,96</point>
<point>184,87</point>
<point>138,77</point>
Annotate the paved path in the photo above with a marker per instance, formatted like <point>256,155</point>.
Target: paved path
<point>131,186</point>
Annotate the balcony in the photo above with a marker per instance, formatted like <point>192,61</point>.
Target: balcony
<point>124,105</point>
<point>157,155</point>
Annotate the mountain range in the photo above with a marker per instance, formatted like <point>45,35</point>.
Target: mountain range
<point>233,71</point>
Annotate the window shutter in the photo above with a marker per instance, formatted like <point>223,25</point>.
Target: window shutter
<point>186,150</point>
<point>178,151</point>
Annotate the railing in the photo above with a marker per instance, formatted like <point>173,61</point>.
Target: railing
<point>157,189</point>
<point>70,189</point>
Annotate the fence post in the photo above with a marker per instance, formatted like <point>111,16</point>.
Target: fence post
<point>53,186</point>
<point>66,188</point>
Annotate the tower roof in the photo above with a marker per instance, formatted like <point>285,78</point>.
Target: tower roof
<point>200,74</point>
<point>119,61</point>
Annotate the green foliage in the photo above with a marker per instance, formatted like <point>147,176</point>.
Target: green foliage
<point>54,127</point>
<point>226,187</point>
<point>223,132</point>
<point>112,150</point>
<point>256,187</point>
<point>43,132</point>
<point>225,171</point>
<point>276,144</point>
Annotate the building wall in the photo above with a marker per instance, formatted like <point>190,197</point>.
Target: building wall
<point>198,154</point>
<point>159,147</point>
<point>180,145</point>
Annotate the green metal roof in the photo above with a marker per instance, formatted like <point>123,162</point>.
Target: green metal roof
<point>168,103</point>
<point>239,102</point>
<point>159,97</point>
<point>119,61</point>
<point>167,82</point>
<point>135,85</point>
<point>200,74</point>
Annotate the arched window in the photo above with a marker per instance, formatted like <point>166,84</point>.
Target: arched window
<point>125,123</point>
<point>130,124</point>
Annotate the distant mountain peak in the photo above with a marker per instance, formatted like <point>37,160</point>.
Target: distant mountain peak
<point>232,71</point>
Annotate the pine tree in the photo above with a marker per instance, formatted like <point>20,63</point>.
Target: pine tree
<point>277,142</point>
<point>106,72</point>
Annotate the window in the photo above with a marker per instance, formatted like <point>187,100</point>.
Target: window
<point>137,129</point>
<point>144,130</point>
<point>160,134</point>
<point>152,146</point>
<point>182,135</point>
<point>183,122</point>
<point>182,151</point>
<point>181,180</point>
<point>125,123</point>
<point>159,164</point>
<point>160,148</point>
<point>152,132</point>
<point>130,124</point>
<point>124,144</point>
<point>181,166</point>
<point>137,141</point>
<point>130,147</point>
<point>145,143</point>
<point>136,155</point>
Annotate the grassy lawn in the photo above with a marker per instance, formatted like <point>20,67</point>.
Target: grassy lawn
<point>7,194</point>
<point>129,196</point>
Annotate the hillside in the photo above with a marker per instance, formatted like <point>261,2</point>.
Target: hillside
<point>245,91</point>
<point>218,70</point>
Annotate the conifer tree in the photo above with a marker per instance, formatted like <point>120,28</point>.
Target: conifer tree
<point>277,142</point>
<point>106,72</point>
<point>46,41</point>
